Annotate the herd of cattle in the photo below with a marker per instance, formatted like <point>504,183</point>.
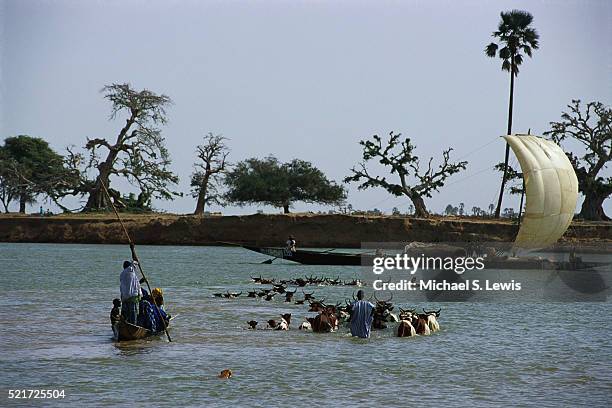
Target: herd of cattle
<point>329,317</point>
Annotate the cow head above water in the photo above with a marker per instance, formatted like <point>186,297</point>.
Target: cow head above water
<point>308,296</point>
<point>382,311</point>
<point>287,317</point>
<point>432,312</point>
<point>324,322</point>
<point>317,305</point>
<point>280,288</point>
<point>289,295</point>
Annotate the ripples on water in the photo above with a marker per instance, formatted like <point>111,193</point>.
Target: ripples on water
<point>55,302</point>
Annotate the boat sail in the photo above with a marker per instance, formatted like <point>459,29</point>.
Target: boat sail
<point>551,190</point>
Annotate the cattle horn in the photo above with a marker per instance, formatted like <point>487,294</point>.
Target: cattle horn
<point>436,312</point>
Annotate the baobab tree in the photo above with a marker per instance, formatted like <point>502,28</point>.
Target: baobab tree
<point>398,155</point>
<point>212,155</point>
<point>517,38</point>
<point>138,153</point>
<point>593,129</point>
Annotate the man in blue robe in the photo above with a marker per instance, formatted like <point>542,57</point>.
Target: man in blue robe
<point>361,317</point>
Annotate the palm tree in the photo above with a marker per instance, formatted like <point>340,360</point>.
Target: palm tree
<point>517,37</point>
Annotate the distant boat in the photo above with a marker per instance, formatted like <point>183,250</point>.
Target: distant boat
<point>310,257</point>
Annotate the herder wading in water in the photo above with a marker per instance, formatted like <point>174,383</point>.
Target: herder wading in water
<point>361,317</point>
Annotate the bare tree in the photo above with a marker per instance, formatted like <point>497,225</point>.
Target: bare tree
<point>138,153</point>
<point>212,155</point>
<point>593,129</point>
<point>404,163</point>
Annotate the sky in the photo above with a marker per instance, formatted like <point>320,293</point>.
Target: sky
<point>303,79</point>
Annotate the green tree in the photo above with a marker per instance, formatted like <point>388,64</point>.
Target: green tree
<point>8,182</point>
<point>517,38</point>
<point>270,182</point>
<point>509,213</point>
<point>399,156</point>
<point>29,168</point>
<point>139,153</point>
<point>593,129</point>
<point>449,209</point>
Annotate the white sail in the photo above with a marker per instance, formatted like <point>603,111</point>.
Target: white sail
<point>551,190</point>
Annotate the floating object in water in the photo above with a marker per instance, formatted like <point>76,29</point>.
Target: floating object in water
<point>225,374</point>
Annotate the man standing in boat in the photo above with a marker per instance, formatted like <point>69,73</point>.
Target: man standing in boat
<point>130,292</point>
<point>291,243</point>
<point>361,317</point>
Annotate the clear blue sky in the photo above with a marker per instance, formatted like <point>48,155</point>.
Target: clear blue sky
<point>303,79</point>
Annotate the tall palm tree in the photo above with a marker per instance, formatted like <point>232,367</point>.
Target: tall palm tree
<point>517,38</point>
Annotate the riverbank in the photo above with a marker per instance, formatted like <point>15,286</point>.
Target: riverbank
<point>311,230</point>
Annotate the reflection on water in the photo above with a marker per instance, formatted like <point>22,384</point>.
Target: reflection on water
<point>55,301</point>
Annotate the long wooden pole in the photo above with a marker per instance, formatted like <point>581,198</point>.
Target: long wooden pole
<point>135,258</point>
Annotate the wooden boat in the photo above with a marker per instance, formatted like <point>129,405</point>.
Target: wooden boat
<point>124,331</point>
<point>310,257</point>
<point>307,257</point>
<point>541,263</point>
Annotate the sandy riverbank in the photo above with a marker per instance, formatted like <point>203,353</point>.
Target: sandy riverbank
<point>311,230</point>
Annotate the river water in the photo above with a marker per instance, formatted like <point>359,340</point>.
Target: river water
<point>55,301</point>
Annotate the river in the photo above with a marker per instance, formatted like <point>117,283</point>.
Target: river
<point>55,301</point>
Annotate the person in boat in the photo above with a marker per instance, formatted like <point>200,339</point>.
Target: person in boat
<point>160,312</point>
<point>131,293</point>
<point>146,312</point>
<point>291,243</point>
<point>115,313</point>
<point>149,315</point>
<point>361,317</point>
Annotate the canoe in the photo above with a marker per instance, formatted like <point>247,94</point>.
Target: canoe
<point>124,331</point>
<point>543,264</point>
<point>311,257</point>
<point>307,257</point>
